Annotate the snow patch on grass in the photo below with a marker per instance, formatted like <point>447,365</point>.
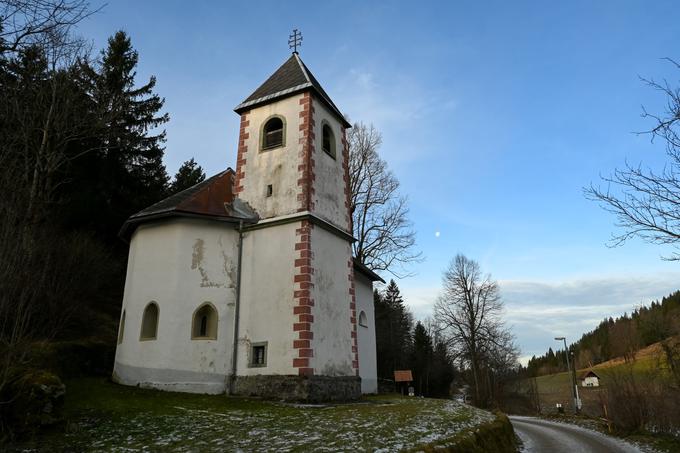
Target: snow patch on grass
<point>145,421</point>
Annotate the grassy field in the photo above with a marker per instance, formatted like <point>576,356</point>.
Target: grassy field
<point>107,417</point>
<point>648,366</point>
<point>556,388</point>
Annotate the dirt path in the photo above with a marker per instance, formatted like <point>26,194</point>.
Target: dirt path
<point>545,436</point>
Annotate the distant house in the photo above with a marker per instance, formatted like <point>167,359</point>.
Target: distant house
<point>590,379</point>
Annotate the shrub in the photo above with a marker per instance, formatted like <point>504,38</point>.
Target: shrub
<point>34,400</point>
<point>642,400</point>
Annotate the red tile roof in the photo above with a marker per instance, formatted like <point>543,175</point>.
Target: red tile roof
<point>212,198</point>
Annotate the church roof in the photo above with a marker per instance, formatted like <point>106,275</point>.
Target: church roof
<point>368,273</point>
<point>212,198</point>
<point>291,78</point>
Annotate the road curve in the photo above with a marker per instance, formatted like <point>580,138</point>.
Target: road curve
<point>540,436</point>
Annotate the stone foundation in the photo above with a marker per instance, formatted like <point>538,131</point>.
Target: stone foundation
<point>309,389</point>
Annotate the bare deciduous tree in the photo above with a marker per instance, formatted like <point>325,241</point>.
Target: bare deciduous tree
<point>385,238</point>
<point>646,203</point>
<point>27,23</point>
<point>44,108</point>
<point>469,315</point>
<point>41,114</point>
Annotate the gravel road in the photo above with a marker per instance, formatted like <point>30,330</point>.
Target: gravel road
<point>541,436</point>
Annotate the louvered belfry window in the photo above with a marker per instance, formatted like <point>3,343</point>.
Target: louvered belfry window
<point>273,133</point>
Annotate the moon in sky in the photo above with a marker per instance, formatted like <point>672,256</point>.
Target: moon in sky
<point>437,234</point>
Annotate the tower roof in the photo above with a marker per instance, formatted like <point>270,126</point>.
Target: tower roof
<point>291,78</point>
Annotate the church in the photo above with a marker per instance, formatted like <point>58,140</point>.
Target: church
<point>245,283</point>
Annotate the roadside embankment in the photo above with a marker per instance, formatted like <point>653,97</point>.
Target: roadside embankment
<point>495,436</point>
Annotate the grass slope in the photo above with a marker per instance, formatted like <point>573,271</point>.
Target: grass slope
<point>649,365</point>
<point>556,388</point>
<point>108,417</point>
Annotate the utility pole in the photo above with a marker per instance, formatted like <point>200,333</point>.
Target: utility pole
<point>575,383</point>
<point>572,375</point>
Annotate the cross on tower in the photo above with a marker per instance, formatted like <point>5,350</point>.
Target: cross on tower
<point>295,40</point>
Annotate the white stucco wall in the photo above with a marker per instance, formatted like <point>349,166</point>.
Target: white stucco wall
<point>179,264</point>
<point>266,309</point>
<point>590,381</point>
<point>329,185</point>
<point>332,325</point>
<point>277,166</point>
<point>366,335</point>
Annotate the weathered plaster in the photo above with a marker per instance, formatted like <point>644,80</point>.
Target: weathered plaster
<point>170,379</point>
<point>329,184</point>
<point>366,335</point>
<point>267,299</point>
<point>276,166</point>
<point>332,327</point>
<point>180,264</point>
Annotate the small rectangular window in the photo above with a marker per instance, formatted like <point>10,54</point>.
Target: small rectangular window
<point>270,190</point>
<point>258,355</point>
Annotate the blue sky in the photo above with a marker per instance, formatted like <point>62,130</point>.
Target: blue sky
<point>494,116</point>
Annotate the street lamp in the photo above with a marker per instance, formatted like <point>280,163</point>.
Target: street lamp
<point>574,387</point>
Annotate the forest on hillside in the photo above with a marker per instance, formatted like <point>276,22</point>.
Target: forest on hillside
<point>81,149</point>
<point>620,337</point>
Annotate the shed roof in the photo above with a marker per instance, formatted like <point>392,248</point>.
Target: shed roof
<point>589,373</point>
<point>403,376</point>
<point>292,77</point>
<point>212,198</point>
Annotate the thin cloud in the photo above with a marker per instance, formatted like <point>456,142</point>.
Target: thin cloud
<point>537,311</point>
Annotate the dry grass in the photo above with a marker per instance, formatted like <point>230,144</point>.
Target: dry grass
<point>644,358</point>
<point>556,388</point>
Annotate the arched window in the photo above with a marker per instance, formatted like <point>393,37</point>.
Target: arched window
<point>273,133</point>
<point>328,142</point>
<point>363,320</point>
<point>121,329</point>
<point>204,324</point>
<point>149,322</point>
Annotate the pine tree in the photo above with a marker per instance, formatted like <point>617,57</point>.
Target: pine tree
<point>441,371</point>
<point>383,335</point>
<point>127,173</point>
<point>395,331</point>
<point>133,113</point>
<point>421,359</point>
<point>188,175</point>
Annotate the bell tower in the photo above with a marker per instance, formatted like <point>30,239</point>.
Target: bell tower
<point>298,323</point>
<point>292,153</point>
